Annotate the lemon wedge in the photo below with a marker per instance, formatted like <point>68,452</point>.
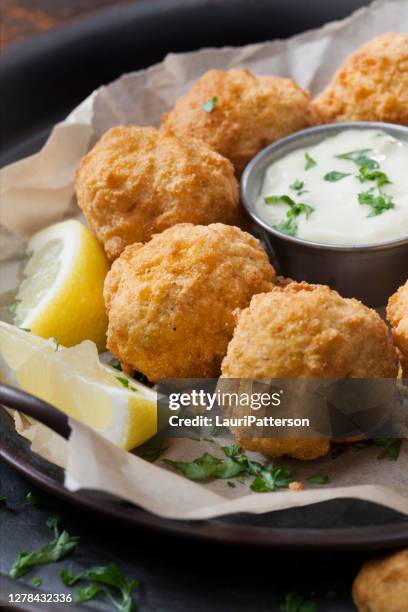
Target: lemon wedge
<point>61,295</point>
<point>75,381</point>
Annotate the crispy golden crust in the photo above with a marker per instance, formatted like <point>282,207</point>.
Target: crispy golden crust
<point>309,331</point>
<point>139,181</point>
<point>304,449</point>
<point>370,85</point>
<point>170,302</point>
<point>382,584</point>
<point>302,330</point>
<point>397,314</point>
<point>250,112</point>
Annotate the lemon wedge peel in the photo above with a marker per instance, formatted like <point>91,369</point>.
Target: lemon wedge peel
<point>75,381</point>
<point>72,308</point>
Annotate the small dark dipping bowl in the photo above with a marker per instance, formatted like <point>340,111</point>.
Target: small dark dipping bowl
<point>368,272</point>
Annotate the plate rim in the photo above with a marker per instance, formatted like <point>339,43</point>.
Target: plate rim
<point>373,537</point>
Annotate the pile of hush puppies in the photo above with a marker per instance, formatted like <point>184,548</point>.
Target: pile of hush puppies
<point>190,294</point>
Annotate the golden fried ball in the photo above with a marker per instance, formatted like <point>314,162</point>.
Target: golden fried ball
<point>370,85</point>
<point>138,181</point>
<point>249,112</point>
<point>170,302</point>
<point>382,584</point>
<point>397,314</point>
<point>310,331</point>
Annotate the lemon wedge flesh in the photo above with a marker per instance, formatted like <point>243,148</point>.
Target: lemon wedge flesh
<point>75,381</point>
<point>61,295</point>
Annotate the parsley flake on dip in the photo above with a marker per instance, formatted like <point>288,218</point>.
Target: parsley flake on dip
<point>350,189</point>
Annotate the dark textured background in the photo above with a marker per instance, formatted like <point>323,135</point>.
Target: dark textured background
<point>176,576</point>
<point>24,18</point>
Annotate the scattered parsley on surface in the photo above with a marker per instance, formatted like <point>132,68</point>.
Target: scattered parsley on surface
<point>88,592</point>
<point>100,577</point>
<point>36,582</point>
<point>12,308</point>
<point>391,447</point>
<point>217,430</point>
<point>209,106</point>
<point>60,546</point>
<point>32,499</point>
<point>318,479</point>
<point>296,603</point>
<point>237,463</point>
<point>125,383</point>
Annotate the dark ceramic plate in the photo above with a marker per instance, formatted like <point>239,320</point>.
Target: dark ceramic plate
<point>41,81</point>
<point>335,525</point>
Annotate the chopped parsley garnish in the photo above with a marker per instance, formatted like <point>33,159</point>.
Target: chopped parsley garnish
<point>378,203</point>
<point>231,484</point>
<point>12,308</point>
<point>360,158</point>
<point>60,546</point>
<point>289,224</point>
<point>271,478</point>
<point>310,162</point>
<point>32,499</point>
<point>318,479</point>
<point>142,378</point>
<point>369,171</point>
<point>237,463</point>
<point>101,577</point>
<point>299,187</point>
<point>334,176</point>
<point>391,447</point>
<point>217,430</point>
<point>210,104</point>
<point>36,582</point>
<point>296,603</point>
<point>153,448</point>
<point>88,592</point>
<point>125,383</point>
<point>116,365</point>
<point>367,174</point>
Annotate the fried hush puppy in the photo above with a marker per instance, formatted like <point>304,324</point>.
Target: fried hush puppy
<point>246,112</point>
<point>370,85</point>
<point>397,315</point>
<point>170,302</point>
<point>306,331</point>
<point>138,181</point>
<point>382,584</point>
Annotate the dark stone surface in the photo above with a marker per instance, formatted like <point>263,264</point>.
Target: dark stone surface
<point>175,575</point>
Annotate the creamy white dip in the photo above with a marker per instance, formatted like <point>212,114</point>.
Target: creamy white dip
<point>340,215</point>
